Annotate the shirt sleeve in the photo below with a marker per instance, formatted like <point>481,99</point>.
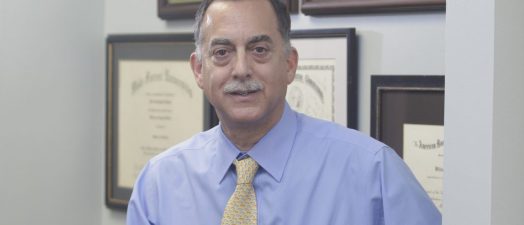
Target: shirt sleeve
<point>404,200</point>
<point>137,211</point>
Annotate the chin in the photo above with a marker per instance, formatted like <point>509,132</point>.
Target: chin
<point>244,116</point>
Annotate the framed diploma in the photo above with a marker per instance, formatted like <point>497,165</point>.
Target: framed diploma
<point>325,84</point>
<point>186,9</point>
<point>326,7</point>
<point>153,103</point>
<point>177,9</point>
<point>407,113</point>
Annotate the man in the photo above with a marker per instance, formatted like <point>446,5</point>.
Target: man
<point>291,169</point>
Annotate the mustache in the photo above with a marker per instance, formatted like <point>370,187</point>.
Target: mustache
<point>242,87</point>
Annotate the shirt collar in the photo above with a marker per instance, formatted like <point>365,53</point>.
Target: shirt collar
<point>271,152</point>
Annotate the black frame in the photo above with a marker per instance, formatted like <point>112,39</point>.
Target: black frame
<point>167,11</point>
<point>330,7</point>
<point>117,48</point>
<point>396,100</point>
<point>352,81</point>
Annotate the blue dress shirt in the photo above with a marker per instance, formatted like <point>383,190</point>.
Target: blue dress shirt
<point>311,172</point>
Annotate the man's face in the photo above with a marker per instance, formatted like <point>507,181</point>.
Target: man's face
<point>244,70</point>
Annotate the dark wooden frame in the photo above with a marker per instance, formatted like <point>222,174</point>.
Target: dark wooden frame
<point>326,7</point>
<point>352,81</point>
<point>117,196</point>
<point>396,100</point>
<point>168,11</point>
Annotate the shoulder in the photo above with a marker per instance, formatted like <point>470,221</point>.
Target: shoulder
<point>196,147</point>
<point>336,136</point>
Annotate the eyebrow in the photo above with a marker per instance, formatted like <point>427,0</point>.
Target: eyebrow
<point>259,38</point>
<point>221,41</point>
<point>251,40</point>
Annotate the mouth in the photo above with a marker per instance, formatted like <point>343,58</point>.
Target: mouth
<point>243,93</point>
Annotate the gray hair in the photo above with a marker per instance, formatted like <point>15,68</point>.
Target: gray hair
<point>283,20</point>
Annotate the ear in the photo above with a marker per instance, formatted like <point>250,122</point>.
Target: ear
<point>196,66</point>
<point>292,63</point>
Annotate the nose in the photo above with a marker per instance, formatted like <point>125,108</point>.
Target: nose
<point>241,67</point>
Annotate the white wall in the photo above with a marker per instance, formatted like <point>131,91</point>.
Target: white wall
<point>484,113</point>
<point>468,112</point>
<point>404,44</point>
<point>508,122</point>
<point>51,111</point>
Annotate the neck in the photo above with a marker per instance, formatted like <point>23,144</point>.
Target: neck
<point>244,139</point>
<point>245,136</point>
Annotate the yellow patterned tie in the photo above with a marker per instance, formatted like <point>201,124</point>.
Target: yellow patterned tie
<point>241,209</point>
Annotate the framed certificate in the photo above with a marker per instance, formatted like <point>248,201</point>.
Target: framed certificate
<point>327,7</point>
<point>153,102</point>
<point>325,84</point>
<point>186,9</point>
<point>177,9</point>
<point>407,113</point>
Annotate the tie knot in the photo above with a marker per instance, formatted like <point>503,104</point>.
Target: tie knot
<point>246,170</point>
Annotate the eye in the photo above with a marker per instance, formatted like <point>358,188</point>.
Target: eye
<point>260,50</point>
<point>221,55</point>
<point>220,52</point>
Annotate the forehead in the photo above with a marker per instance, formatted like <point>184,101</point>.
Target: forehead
<point>239,19</point>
